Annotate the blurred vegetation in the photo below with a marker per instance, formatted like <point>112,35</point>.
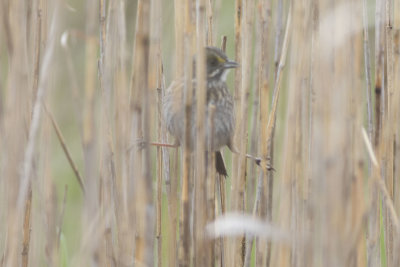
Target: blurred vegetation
<point>331,69</point>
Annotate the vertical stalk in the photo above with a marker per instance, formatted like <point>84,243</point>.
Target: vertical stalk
<point>90,136</point>
<point>156,83</point>
<point>202,255</point>
<point>184,68</point>
<point>373,254</point>
<point>367,69</point>
<point>388,133</point>
<point>141,128</point>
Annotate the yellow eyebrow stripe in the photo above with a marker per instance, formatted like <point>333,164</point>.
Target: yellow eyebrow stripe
<point>220,59</point>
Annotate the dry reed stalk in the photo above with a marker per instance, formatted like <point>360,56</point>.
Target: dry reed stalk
<point>357,247</point>
<point>319,194</point>
<point>107,172</point>
<point>156,82</point>
<point>29,27</point>
<point>356,222</point>
<point>179,11</point>
<point>222,192</point>
<point>278,35</point>
<point>25,122</point>
<point>52,240</point>
<point>261,95</point>
<point>141,129</point>
<point>210,23</point>
<point>308,251</point>
<point>223,43</point>
<point>223,240</point>
<point>294,175</point>
<point>243,27</point>
<point>170,184</point>
<point>396,116</point>
<point>36,112</point>
<point>334,193</point>
<point>388,133</point>
<point>373,236</point>
<point>272,118</point>
<point>282,253</point>
<point>233,254</point>
<point>362,251</point>
<point>254,117</point>
<point>159,205</point>
<point>278,80</point>
<point>299,118</point>
<point>336,117</point>
<point>186,193</point>
<point>44,236</point>
<point>136,133</point>
<point>89,133</point>
<point>28,203</point>
<point>202,177</point>
<point>367,68</point>
<point>27,228</point>
<point>379,61</point>
<point>377,176</point>
<point>61,139</point>
<point>183,70</point>
<point>160,169</point>
<point>172,195</point>
<point>265,182</point>
<point>171,192</point>
<point>209,187</point>
<point>38,40</point>
<point>95,234</point>
<point>268,151</point>
<point>50,212</point>
<point>7,24</point>
<point>122,194</point>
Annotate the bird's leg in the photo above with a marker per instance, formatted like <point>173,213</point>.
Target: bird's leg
<point>141,144</point>
<point>163,145</point>
<point>263,163</point>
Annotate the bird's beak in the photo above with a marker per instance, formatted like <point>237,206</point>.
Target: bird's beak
<point>231,64</point>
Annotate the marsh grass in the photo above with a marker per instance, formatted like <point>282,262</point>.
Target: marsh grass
<point>317,96</point>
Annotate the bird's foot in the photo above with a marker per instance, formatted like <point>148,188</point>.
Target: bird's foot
<point>141,144</point>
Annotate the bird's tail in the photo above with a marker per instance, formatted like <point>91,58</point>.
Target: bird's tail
<point>220,164</point>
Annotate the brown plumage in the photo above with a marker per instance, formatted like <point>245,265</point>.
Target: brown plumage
<point>218,96</point>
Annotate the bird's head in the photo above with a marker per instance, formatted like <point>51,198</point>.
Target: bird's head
<point>218,64</point>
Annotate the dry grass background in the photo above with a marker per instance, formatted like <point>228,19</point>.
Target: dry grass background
<point>81,87</point>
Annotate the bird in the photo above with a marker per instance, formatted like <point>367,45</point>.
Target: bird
<point>218,96</point>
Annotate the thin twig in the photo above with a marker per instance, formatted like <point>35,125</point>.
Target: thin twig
<point>65,148</point>
<point>223,43</point>
<point>387,200</point>
<point>277,87</point>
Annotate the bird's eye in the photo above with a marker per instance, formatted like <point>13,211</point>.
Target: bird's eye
<point>214,61</point>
